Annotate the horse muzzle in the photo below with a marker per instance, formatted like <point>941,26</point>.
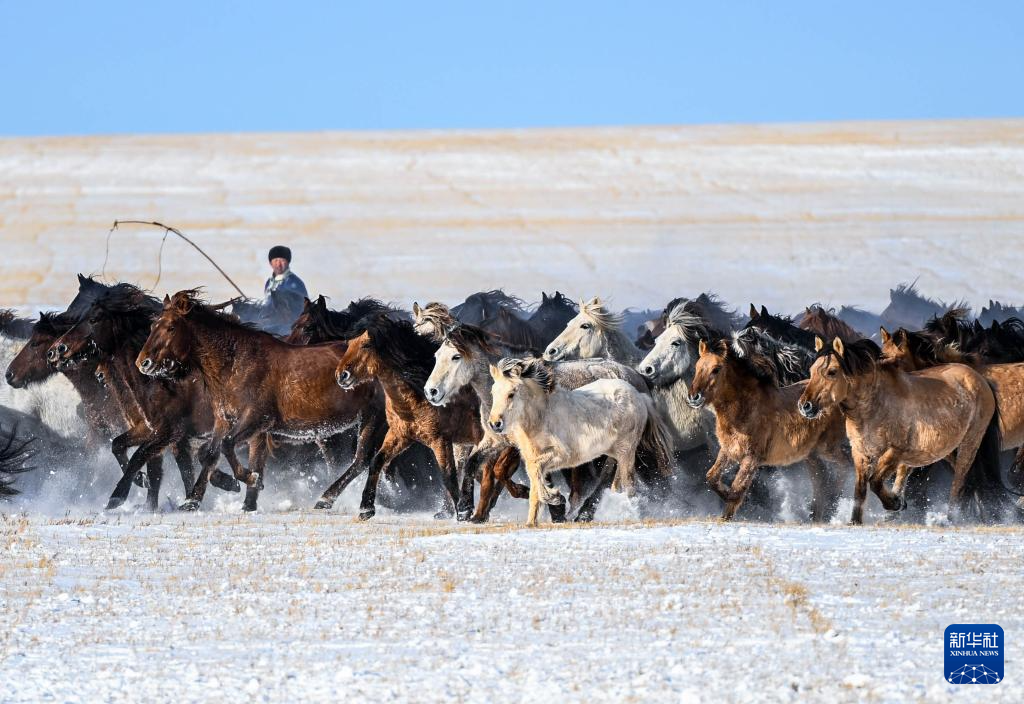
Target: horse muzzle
<point>695,400</point>
<point>808,410</point>
<point>497,425</point>
<point>344,379</point>
<point>553,354</point>
<point>435,396</point>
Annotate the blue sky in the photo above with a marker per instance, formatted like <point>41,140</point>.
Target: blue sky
<point>112,67</point>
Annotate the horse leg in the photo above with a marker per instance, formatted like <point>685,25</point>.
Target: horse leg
<point>133,437</point>
<point>495,475</point>
<point>143,454</point>
<point>442,449</point>
<point>899,484</point>
<point>605,475</point>
<point>155,472</point>
<point>368,443</point>
<point>258,451</point>
<point>714,475</point>
<point>862,467</point>
<point>887,464</point>
<point>209,453</point>
<point>821,483</point>
<point>533,471</point>
<point>485,457</point>
<point>740,485</point>
<point>182,453</point>
<point>392,446</point>
<point>1015,475</point>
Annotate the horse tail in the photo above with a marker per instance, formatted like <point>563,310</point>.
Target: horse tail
<point>271,445</point>
<point>984,478</point>
<point>13,453</point>
<point>656,437</point>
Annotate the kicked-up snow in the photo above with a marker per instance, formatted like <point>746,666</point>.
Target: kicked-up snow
<point>300,606</point>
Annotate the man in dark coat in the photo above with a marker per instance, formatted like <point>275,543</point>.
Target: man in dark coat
<point>283,293</point>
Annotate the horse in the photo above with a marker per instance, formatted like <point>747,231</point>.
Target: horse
<point>859,319</point>
<point>998,312</point>
<point>897,420</point>
<point>160,414</point>
<point>508,326</point>
<point>909,309</point>
<point>485,304</point>
<point>15,327</point>
<point>826,324</point>
<point>318,323</point>
<point>14,452</point>
<point>391,353</point>
<point>556,428</point>
<point>551,316</point>
<point>757,423</point>
<point>258,384</point>
<point>781,327</point>
<point>462,360</point>
<point>708,306</point>
<point>913,351</point>
<point>594,332</point>
<point>791,362</point>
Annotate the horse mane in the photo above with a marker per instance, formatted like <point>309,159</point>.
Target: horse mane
<point>341,324</point>
<point>690,321</point>
<point>714,310</point>
<point>467,339</point>
<point>495,298</point>
<point>510,328</point>
<point>620,347</point>
<point>953,326</point>
<point>54,323</point>
<point>926,349</point>
<point>605,319</point>
<point>858,357</point>
<point>826,324</point>
<point>532,369</point>
<point>190,303</point>
<point>409,355</point>
<point>559,300</point>
<point>770,359</point>
<point>131,311</point>
<point>14,326</point>
<point>909,294</point>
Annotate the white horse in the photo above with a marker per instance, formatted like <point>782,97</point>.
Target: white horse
<point>594,332</point>
<point>463,359</point>
<point>556,428</point>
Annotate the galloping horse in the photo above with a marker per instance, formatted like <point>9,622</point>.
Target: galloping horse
<point>258,385</point>
<point>391,353</point>
<point>557,428</point>
<point>757,423</point>
<point>14,452</point>
<point>897,420</point>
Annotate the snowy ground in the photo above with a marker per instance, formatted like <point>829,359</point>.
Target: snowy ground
<point>292,606</point>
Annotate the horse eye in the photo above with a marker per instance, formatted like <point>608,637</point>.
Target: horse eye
<point>511,394</point>
<point>715,370</point>
<point>456,357</point>
<point>676,343</point>
<point>831,372</point>
<point>366,345</point>
<point>585,326</point>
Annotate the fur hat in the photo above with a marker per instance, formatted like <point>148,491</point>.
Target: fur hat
<point>280,251</point>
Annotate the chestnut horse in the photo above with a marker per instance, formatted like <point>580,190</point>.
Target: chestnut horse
<point>392,353</point>
<point>897,420</point>
<point>757,423</point>
<point>258,385</point>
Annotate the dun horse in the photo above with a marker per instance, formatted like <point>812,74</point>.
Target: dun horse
<point>897,421</point>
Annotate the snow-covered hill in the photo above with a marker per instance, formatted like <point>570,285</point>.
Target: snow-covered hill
<point>783,215</point>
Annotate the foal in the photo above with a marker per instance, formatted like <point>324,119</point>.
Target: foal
<point>757,423</point>
<point>557,428</point>
<point>897,420</point>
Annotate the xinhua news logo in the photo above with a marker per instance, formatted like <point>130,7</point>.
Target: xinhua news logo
<point>974,653</point>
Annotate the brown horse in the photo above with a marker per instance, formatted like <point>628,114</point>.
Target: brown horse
<point>897,420</point>
<point>826,324</point>
<point>913,351</point>
<point>161,414</point>
<point>392,353</point>
<point>258,385</point>
<point>757,424</point>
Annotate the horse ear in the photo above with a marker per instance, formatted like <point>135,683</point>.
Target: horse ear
<point>416,309</point>
<point>702,347</point>
<point>753,312</point>
<point>978,327</point>
<point>81,279</point>
<point>886,337</point>
<point>495,372</point>
<point>595,301</point>
<point>837,345</point>
<point>543,297</point>
<point>764,311</point>
<point>167,299</point>
<point>818,343</point>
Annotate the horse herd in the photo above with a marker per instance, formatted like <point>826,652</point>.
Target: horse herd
<point>487,387</point>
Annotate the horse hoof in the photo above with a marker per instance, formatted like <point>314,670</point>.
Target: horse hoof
<point>189,505</point>
<point>323,504</point>
<point>583,517</point>
<point>478,519</point>
<point>463,515</point>
<point>225,482</point>
<point>249,508</point>
<point>114,502</point>
<point>366,513</point>
<point>557,512</point>
<point>443,515</point>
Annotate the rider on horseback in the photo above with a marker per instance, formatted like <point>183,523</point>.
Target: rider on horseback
<point>282,278</point>
<point>283,293</point>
